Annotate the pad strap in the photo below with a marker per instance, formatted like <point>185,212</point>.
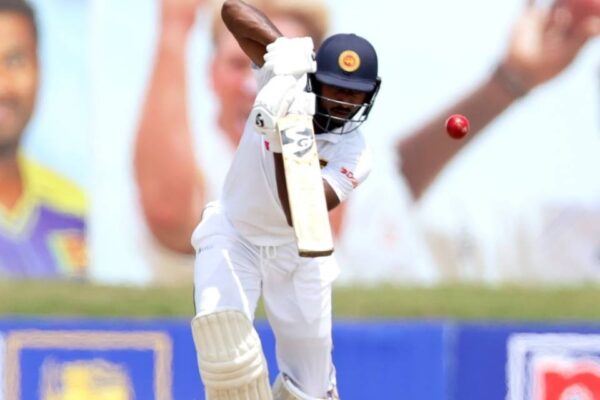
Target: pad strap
<point>284,388</point>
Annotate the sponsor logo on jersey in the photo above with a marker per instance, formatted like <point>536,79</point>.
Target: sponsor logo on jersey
<point>350,175</point>
<point>553,367</point>
<point>349,61</point>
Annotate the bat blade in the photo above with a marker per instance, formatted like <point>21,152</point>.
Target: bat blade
<point>306,195</point>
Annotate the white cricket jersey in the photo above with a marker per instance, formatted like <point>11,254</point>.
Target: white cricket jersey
<point>250,197</point>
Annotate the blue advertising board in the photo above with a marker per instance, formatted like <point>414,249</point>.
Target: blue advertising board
<point>107,360</point>
<point>533,361</point>
<point>72,359</point>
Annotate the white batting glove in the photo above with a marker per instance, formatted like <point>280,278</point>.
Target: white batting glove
<point>272,103</point>
<point>282,95</point>
<point>303,102</point>
<point>263,76</point>
<point>291,56</point>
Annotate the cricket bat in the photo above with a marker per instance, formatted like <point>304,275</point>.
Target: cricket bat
<point>304,182</point>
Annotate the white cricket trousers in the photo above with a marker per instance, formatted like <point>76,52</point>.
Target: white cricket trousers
<point>229,275</point>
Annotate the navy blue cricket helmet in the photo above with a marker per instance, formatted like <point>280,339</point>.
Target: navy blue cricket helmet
<point>346,61</point>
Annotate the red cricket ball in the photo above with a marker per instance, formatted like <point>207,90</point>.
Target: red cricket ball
<point>581,9</point>
<point>457,126</point>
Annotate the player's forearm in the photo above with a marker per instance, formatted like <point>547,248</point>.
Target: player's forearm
<point>425,152</point>
<point>337,218</point>
<point>165,167</point>
<point>251,28</point>
<point>282,187</point>
<point>331,198</point>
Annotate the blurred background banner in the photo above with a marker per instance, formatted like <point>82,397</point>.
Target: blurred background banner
<point>122,89</point>
<point>432,360</point>
<point>551,365</point>
<point>526,361</point>
<point>91,360</point>
<point>520,204</point>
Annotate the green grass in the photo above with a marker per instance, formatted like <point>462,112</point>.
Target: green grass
<point>80,299</point>
<point>454,302</point>
<point>471,303</point>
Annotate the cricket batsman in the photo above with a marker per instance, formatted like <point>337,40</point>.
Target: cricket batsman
<point>245,244</point>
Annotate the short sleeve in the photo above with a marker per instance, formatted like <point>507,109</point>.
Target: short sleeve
<point>349,167</point>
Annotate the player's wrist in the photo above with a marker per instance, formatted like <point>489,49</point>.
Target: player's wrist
<point>513,82</point>
<point>177,24</point>
<point>173,38</point>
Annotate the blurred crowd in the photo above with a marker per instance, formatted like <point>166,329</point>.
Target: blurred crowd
<point>161,142</point>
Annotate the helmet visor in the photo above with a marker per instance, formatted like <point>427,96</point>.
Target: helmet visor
<point>352,83</point>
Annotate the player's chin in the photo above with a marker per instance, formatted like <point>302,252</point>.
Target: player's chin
<point>341,112</point>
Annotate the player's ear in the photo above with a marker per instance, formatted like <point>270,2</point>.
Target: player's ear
<point>371,98</point>
<point>375,90</point>
<point>312,85</point>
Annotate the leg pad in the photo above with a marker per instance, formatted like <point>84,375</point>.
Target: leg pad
<point>230,357</point>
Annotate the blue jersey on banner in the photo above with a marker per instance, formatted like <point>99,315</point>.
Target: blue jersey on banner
<point>43,235</point>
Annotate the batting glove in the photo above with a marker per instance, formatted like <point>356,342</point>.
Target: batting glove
<point>282,95</point>
<point>304,103</point>
<point>291,56</point>
<point>272,103</point>
<point>263,76</point>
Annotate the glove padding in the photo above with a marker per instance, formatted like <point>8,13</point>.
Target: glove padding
<point>291,56</point>
<point>263,76</point>
<point>282,95</point>
<point>286,56</point>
